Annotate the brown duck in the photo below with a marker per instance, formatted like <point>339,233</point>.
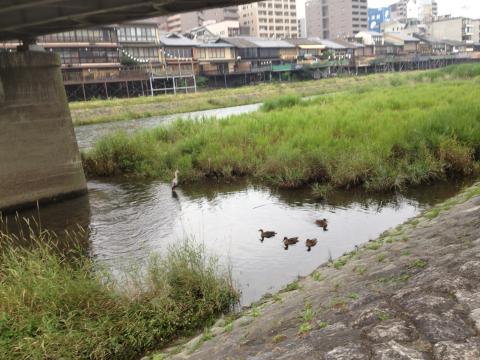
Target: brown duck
<point>266,234</point>
<point>289,241</point>
<point>322,223</point>
<point>309,243</point>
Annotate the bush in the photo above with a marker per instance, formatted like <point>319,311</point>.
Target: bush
<point>55,305</point>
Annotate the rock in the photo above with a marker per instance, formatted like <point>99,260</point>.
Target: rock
<point>475,316</point>
<point>426,303</point>
<point>348,352</point>
<point>470,300</point>
<point>471,269</point>
<point>394,351</point>
<point>449,350</point>
<point>397,330</point>
<point>450,285</point>
<point>371,316</point>
<point>447,326</point>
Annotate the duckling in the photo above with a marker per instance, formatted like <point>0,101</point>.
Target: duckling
<point>322,223</point>
<point>309,243</point>
<point>289,241</point>
<point>266,234</point>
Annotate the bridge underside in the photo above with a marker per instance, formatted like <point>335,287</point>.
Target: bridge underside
<point>25,19</point>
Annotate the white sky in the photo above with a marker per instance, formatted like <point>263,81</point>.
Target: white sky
<point>469,8</point>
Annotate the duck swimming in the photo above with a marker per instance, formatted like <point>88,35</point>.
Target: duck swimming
<point>322,223</point>
<point>309,243</point>
<point>266,234</point>
<point>289,241</point>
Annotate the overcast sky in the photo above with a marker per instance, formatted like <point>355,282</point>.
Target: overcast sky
<point>470,8</point>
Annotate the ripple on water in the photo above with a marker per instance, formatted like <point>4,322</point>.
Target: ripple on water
<point>130,221</point>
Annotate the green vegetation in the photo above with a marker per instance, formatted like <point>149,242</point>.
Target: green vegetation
<point>281,102</point>
<point>382,139</point>
<point>279,338</point>
<point>419,264</point>
<point>353,296</point>
<point>383,316</point>
<point>307,316</point>
<point>295,285</point>
<point>57,306</point>
<point>98,111</point>
<point>381,257</point>
<point>339,263</point>
<point>317,276</point>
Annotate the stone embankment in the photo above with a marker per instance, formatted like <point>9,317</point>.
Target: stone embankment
<point>414,293</point>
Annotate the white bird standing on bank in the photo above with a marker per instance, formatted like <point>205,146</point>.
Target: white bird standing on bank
<point>175,180</point>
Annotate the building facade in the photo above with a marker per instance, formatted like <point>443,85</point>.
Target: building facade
<point>423,10</point>
<point>376,17</point>
<point>456,29</point>
<point>336,19</point>
<point>275,19</point>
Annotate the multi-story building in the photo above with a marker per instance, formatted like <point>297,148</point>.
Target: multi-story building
<point>376,17</point>
<point>302,28</point>
<point>457,29</point>
<point>139,43</point>
<point>229,13</point>
<point>270,19</point>
<point>423,10</point>
<point>181,23</point>
<point>332,19</point>
<point>184,22</point>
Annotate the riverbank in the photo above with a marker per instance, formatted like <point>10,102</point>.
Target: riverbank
<point>57,305</point>
<point>377,138</point>
<point>100,111</point>
<point>411,294</point>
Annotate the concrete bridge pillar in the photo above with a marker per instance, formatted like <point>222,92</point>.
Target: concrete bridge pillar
<point>39,157</point>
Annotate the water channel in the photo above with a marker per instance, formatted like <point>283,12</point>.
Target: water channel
<point>130,220</point>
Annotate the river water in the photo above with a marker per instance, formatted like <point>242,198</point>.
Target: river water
<point>130,220</point>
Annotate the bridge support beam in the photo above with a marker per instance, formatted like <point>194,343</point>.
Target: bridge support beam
<point>39,157</point>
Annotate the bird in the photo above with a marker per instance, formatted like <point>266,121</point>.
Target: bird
<point>266,234</point>
<point>322,223</point>
<point>309,243</point>
<point>175,180</point>
<point>289,241</point>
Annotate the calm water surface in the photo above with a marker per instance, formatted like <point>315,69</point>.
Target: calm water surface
<point>128,222</point>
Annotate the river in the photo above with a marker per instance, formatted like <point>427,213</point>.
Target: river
<point>127,221</point>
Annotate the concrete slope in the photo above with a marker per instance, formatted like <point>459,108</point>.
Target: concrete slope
<point>412,294</point>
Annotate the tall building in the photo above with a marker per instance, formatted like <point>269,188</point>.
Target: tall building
<point>423,10</point>
<point>332,19</point>
<point>221,14</point>
<point>302,28</point>
<point>184,22</point>
<point>457,29</point>
<point>270,19</point>
<point>376,17</point>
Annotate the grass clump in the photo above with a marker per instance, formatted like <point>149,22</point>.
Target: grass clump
<point>386,139</point>
<point>419,264</point>
<point>57,306</point>
<point>281,102</point>
<point>295,285</point>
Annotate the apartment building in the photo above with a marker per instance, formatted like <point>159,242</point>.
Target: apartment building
<point>333,19</point>
<point>270,19</point>
<point>457,29</point>
<point>423,10</point>
<point>181,23</point>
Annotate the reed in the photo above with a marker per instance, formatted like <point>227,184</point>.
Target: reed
<point>380,139</point>
<point>60,305</point>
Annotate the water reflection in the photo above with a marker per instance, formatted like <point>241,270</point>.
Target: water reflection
<point>129,221</point>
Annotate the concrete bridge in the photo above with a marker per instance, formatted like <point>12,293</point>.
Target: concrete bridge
<point>39,157</point>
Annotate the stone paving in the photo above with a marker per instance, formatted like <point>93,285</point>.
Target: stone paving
<point>412,294</point>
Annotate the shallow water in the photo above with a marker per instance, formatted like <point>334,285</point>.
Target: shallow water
<point>87,135</point>
<point>130,221</point>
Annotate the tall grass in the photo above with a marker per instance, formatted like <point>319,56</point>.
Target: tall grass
<point>384,138</point>
<point>57,306</point>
